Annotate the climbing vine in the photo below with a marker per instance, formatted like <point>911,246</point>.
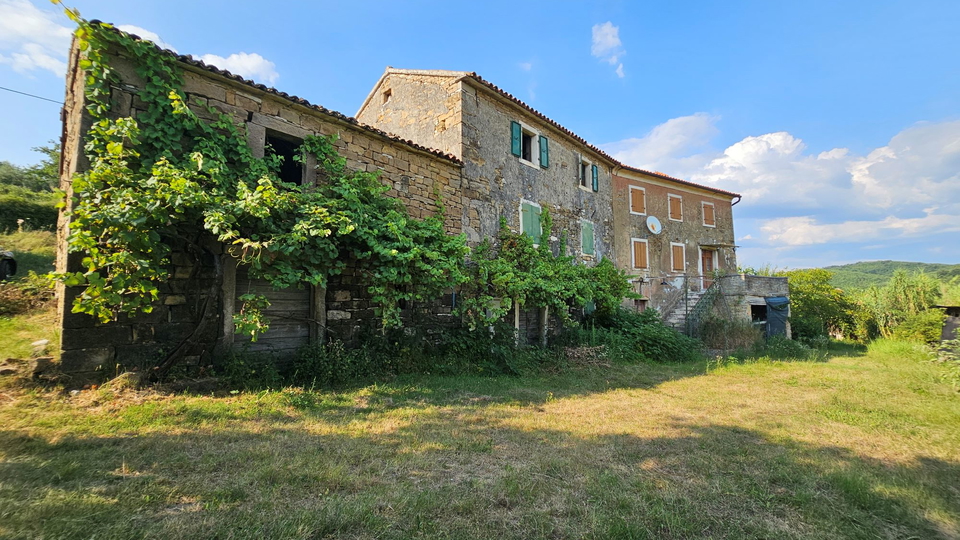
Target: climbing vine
<point>171,178</point>
<point>515,272</point>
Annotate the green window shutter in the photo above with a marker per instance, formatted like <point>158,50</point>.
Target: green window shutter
<point>530,215</point>
<point>586,237</point>
<point>596,177</point>
<point>515,135</point>
<point>544,152</point>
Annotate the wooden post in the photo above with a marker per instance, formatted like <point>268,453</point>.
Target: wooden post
<point>228,290</point>
<point>516,321</point>
<point>544,324</point>
<point>318,315</point>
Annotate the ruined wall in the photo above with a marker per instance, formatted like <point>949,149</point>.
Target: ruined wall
<point>415,176</point>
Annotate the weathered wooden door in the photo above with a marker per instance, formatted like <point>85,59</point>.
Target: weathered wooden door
<point>289,314</point>
<point>707,265</point>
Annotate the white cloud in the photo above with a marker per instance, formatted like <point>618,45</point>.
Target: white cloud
<point>806,230</point>
<point>32,39</point>
<point>668,146</point>
<point>905,191</point>
<point>249,65</point>
<point>607,46</point>
<point>525,66</point>
<point>146,34</point>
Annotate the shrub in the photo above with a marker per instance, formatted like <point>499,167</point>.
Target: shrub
<point>925,326</point>
<point>38,210</point>
<point>730,334</point>
<point>652,340</point>
<point>32,292</point>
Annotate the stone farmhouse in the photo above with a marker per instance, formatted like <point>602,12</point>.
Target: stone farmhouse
<point>487,156</point>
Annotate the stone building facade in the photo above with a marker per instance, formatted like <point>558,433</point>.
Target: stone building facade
<point>488,156</point>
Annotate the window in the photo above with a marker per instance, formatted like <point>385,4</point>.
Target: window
<point>640,253</point>
<point>386,95</point>
<point>638,200</point>
<point>709,216</point>
<point>583,173</point>
<point>677,257</point>
<point>587,238</point>
<point>522,141</point>
<point>530,220</point>
<point>675,204</point>
<point>291,170</point>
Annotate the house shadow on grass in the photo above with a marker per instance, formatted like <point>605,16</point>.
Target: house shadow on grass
<point>460,473</point>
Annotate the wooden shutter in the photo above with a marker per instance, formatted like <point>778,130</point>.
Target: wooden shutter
<point>678,262</point>
<point>639,254</point>
<point>676,208</point>
<point>530,218</point>
<point>544,152</point>
<point>708,216</point>
<point>638,201</point>
<point>586,237</point>
<point>580,179</point>
<point>516,145</point>
<point>596,177</point>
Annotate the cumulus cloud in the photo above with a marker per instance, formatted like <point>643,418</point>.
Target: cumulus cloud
<point>671,146</point>
<point>249,65</point>
<point>32,39</point>
<point>907,190</point>
<point>607,46</point>
<point>146,34</point>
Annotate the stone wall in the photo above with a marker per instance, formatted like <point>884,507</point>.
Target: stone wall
<point>415,175</point>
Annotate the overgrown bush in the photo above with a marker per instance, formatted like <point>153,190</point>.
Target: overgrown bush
<point>37,210</point>
<point>652,340</point>
<point>925,326</point>
<point>730,334</point>
<point>32,292</point>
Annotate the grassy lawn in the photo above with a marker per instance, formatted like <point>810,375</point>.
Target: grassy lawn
<point>862,446</point>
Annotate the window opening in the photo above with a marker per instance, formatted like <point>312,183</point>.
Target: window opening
<point>291,170</point>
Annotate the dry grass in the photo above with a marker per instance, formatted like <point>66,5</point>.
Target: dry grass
<point>857,447</point>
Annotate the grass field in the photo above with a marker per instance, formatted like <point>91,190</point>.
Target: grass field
<point>862,446</point>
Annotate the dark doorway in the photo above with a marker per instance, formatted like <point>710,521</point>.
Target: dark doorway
<point>778,308</point>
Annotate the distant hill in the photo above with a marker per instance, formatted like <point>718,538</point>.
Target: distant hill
<point>862,275</point>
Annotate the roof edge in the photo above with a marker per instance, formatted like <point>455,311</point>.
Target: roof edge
<point>667,177</point>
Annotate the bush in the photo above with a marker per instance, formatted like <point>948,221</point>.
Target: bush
<point>651,339</point>
<point>32,292</point>
<point>730,334</point>
<point>38,210</point>
<point>925,326</point>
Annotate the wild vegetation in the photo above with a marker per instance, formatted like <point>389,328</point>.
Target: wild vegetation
<point>863,275</point>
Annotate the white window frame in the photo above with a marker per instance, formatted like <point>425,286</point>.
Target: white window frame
<point>672,261</point>
<point>633,253</point>
<point>585,176</point>
<point>703,213</point>
<point>630,200</point>
<point>594,227</point>
<point>520,216</point>
<point>534,145</point>
<point>669,214</point>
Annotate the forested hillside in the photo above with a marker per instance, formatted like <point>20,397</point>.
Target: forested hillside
<point>866,274</point>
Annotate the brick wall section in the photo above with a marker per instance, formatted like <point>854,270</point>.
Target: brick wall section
<point>415,177</point>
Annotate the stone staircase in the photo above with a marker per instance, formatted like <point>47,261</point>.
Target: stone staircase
<point>676,318</point>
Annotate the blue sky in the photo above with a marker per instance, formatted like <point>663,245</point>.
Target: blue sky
<point>839,122</point>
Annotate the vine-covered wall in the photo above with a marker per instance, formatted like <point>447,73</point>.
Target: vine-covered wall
<point>417,177</point>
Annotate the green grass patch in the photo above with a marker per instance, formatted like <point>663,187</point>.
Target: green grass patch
<point>859,446</point>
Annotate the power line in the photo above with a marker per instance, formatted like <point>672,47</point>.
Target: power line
<point>31,95</point>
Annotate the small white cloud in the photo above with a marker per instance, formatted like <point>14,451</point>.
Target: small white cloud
<point>32,39</point>
<point>249,65</point>
<point>146,34</point>
<point>525,66</point>
<point>607,46</point>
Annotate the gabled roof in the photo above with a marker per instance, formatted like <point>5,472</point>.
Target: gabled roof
<point>191,61</point>
<point>473,77</point>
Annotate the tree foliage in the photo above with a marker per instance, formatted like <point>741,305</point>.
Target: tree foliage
<point>816,306</point>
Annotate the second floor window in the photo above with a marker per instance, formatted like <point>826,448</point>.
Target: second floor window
<point>531,147</point>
